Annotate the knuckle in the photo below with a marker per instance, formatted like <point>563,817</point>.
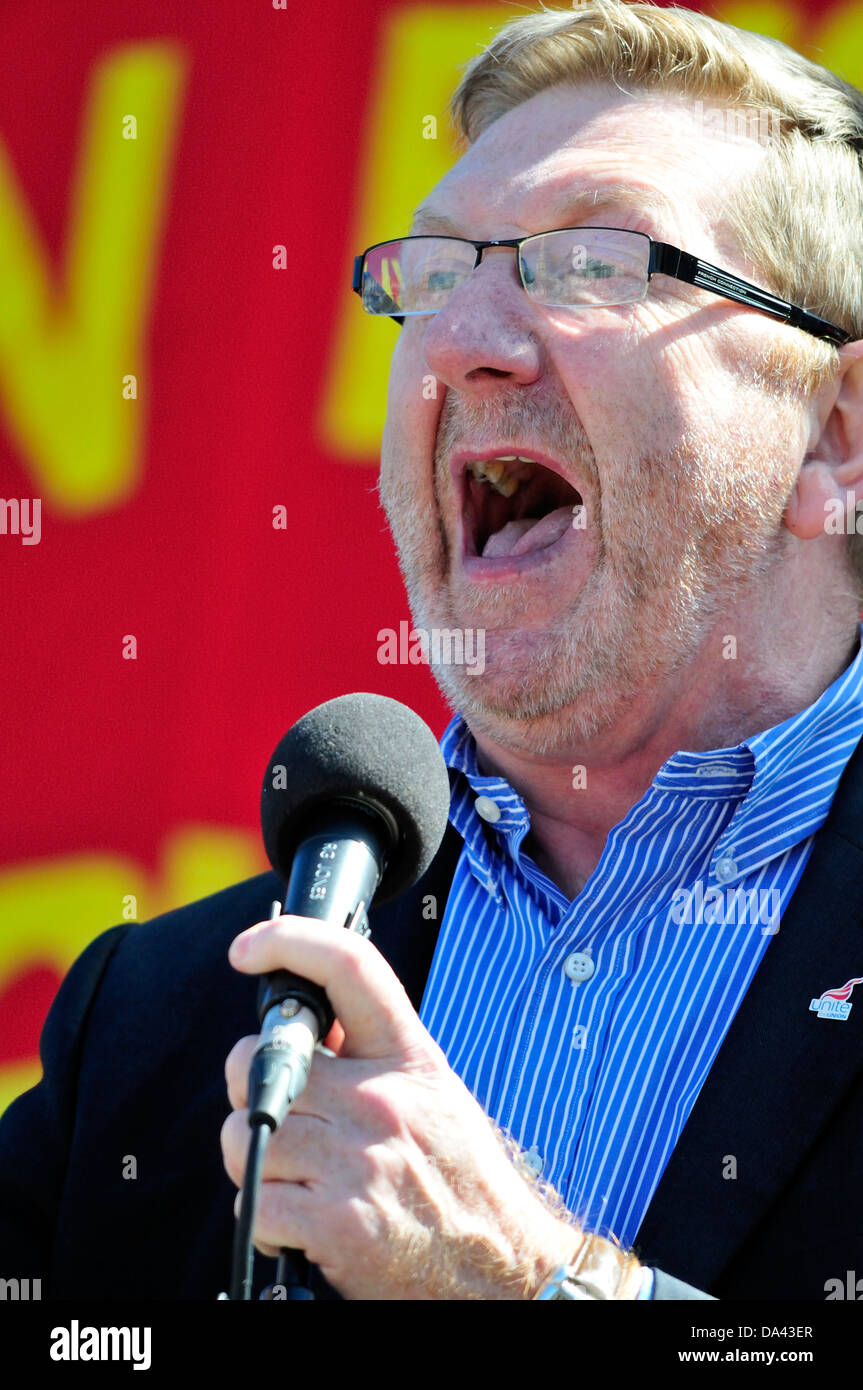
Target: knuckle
<point>358,1222</point>
<point>236,1091</point>
<point>354,963</point>
<point>233,1138</point>
<point>236,1062</point>
<point>382,1113</point>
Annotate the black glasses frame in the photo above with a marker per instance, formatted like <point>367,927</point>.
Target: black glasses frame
<point>664,260</point>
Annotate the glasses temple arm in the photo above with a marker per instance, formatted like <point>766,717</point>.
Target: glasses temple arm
<point>668,260</point>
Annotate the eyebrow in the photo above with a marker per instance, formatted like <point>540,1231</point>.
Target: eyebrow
<point>619,196</point>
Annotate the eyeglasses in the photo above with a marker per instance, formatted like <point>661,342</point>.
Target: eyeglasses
<point>571,268</point>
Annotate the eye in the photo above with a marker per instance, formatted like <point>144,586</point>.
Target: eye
<point>441,280</point>
<point>598,270</point>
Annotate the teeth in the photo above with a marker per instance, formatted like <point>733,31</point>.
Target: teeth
<point>495,471</point>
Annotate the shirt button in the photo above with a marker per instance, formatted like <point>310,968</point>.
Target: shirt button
<point>726,869</point>
<point>532,1161</point>
<point>714,770</point>
<point>579,967</point>
<point>487,809</point>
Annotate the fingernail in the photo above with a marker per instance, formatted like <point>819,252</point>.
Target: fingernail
<point>239,947</point>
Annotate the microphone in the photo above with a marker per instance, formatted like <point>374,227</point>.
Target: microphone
<point>354,805</point>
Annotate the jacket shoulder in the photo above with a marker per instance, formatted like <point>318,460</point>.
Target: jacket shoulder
<point>193,939</point>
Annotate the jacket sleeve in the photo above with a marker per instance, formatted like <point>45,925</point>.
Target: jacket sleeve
<point>664,1287</point>
<point>36,1129</point>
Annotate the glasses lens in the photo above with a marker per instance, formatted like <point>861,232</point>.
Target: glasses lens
<point>415,275</point>
<point>586,265</point>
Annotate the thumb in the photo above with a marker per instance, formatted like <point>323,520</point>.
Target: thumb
<point>377,1018</point>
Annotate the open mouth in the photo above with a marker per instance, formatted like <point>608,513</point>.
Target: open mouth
<point>514,506</point>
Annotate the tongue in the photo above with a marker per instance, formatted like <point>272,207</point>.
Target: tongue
<point>530,534</point>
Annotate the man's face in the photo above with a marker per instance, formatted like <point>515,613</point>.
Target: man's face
<point>648,415</point>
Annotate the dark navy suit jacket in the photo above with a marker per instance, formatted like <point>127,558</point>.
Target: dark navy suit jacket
<point>133,1055</point>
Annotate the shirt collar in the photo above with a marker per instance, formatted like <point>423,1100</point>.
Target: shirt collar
<point>765,766</point>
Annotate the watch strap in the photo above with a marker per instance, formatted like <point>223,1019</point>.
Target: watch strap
<point>599,1270</point>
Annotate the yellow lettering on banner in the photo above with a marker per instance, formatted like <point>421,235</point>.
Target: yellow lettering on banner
<point>51,909</point>
<point>840,42</point>
<point>834,39</point>
<point>397,168</point>
<point>63,347</point>
<point>421,52</point>
<point>770,17</point>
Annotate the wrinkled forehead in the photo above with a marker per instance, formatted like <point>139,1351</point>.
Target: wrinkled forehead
<point>569,149</point>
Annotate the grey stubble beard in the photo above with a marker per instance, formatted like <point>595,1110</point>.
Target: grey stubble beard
<point>656,588</point>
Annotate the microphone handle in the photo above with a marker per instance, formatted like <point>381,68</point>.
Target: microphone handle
<point>336,867</point>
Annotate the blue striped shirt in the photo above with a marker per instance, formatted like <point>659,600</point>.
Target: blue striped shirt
<point>586,1028</point>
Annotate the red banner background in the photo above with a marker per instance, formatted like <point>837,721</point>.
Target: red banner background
<point>131,782</point>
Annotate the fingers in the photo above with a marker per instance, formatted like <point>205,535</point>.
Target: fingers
<point>376,1015</point>
<point>305,1201</point>
<point>282,1218</point>
<point>329,1090</point>
<point>335,1039</point>
<point>296,1153</point>
<point>237,1071</point>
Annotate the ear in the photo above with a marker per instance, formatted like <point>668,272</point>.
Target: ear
<point>830,480</point>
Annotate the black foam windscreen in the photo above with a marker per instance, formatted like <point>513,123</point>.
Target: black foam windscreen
<point>366,748</point>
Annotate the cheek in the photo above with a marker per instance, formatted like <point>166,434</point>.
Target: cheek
<point>613,378</point>
<point>651,403</point>
<point>414,401</point>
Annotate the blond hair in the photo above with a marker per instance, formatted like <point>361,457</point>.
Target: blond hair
<point>798,218</point>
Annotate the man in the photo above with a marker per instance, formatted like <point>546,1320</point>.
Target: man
<point>623,480</point>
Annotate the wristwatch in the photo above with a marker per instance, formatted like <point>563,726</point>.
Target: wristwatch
<point>598,1271</point>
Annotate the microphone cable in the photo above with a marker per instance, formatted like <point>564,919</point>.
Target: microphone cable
<point>242,1265</point>
<point>292,1267</point>
<point>262,1124</point>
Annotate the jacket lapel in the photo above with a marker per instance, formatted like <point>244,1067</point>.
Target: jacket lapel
<point>781,1069</point>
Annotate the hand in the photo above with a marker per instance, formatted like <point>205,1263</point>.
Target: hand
<point>387,1172</point>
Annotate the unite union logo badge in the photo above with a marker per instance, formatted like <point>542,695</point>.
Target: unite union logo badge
<point>834,1003</point>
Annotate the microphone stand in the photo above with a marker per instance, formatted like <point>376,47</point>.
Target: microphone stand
<point>292,1272</point>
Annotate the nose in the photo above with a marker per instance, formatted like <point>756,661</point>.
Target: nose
<point>486,329</point>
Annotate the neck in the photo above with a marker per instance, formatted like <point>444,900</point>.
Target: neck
<point>782,666</point>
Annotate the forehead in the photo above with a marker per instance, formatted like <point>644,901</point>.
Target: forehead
<point>569,148</point>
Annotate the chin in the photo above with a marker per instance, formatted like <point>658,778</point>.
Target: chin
<point>531,701</point>
<point>537,731</point>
